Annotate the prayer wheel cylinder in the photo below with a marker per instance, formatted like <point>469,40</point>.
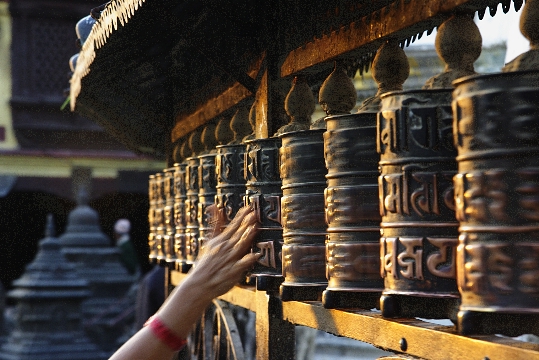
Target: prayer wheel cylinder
<point>230,187</point>
<point>179,215</point>
<point>302,170</point>
<point>206,196</point>
<point>263,193</point>
<point>152,195</point>
<point>168,213</point>
<point>191,209</point>
<point>160,218</point>
<point>496,132</point>
<point>418,229</point>
<point>352,215</point>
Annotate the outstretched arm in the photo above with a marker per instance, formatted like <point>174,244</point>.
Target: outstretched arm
<point>221,264</point>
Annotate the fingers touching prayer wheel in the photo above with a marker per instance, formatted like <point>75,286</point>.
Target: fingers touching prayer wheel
<point>230,186</point>
<point>206,183</point>
<point>263,193</point>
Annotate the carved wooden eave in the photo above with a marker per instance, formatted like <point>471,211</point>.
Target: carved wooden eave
<point>153,71</point>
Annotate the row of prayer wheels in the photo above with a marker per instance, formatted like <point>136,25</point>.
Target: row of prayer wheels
<point>424,203</point>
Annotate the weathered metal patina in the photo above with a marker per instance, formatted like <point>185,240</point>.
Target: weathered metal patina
<point>418,230</point>
<point>352,215</point>
<point>496,129</point>
<point>152,241</point>
<point>191,209</point>
<point>206,195</point>
<point>302,212</point>
<point>168,214</point>
<point>180,215</point>
<point>263,193</point>
<point>230,179</point>
<point>159,218</point>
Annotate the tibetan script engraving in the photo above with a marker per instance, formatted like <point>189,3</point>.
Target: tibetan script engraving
<point>416,191</point>
<point>267,249</point>
<point>485,266</point>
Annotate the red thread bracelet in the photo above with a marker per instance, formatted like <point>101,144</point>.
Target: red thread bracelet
<point>163,333</point>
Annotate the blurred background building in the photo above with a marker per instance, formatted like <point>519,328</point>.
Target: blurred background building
<point>46,153</point>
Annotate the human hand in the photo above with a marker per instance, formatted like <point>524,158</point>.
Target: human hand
<point>225,258</point>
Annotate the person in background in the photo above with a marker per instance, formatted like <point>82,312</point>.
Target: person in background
<point>150,295</point>
<point>221,263</point>
<point>128,254</point>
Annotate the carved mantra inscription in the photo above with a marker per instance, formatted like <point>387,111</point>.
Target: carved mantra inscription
<point>409,264</point>
<point>179,213</point>
<point>415,191</point>
<point>261,165</point>
<point>351,262</point>
<point>269,256</point>
<point>304,261</point>
<point>230,202</point>
<point>504,268</point>
<point>484,196</point>
<point>412,127</point>
<point>266,207</point>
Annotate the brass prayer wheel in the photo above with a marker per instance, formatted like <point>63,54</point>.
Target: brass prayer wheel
<point>168,214</point>
<point>191,209</point>
<point>206,195</point>
<point>160,219</point>
<point>302,170</point>
<point>418,229</point>
<point>496,132</point>
<point>230,187</point>
<point>180,196</point>
<point>352,215</point>
<point>263,192</point>
<point>152,195</point>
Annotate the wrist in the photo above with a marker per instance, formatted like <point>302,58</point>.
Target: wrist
<point>165,334</point>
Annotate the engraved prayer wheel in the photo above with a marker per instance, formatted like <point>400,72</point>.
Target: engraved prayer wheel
<point>303,171</point>
<point>418,229</point>
<point>160,218</point>
<point>180,196</point>
<point>152,195</point>
<point>230,187</point>
<point>191,209</point>
<point>496,132</point>
<point>206,195</point>
<point>263,192</point>
<point>168,213</point>
<point>352,215</point>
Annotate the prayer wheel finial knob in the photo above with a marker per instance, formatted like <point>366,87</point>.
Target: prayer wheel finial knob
<point>208,138</point>
<point>529,27</point>
<point>529,23</point>
<point>299,105</point>
<point>458,43</point>
<point>223,132</point>
<point>185,151</point>
<point>390,69</point>
<point>337,94</point>
<point>240,125</point>
<point>195,143</point>
<point>252,121</point>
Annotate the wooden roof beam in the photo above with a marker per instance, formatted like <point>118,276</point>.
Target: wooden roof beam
<point>402,19</point>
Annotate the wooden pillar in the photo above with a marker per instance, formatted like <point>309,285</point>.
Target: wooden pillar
<point>275,337</point>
